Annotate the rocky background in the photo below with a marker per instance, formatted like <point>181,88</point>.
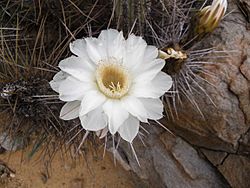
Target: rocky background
<point>210,151</point>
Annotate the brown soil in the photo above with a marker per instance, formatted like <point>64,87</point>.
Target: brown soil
<point>65,172</point>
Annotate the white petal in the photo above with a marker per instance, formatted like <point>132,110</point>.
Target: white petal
<point>96,49</point>
<point>113,42</point>
<point>221,3</point>
<point>154,108</point>
<point>134,52</point>
<point>57,80</point>
<point>79,48</point>
<point>70,110</point>
<point>78,67</point>
<point>149,70</point>
<point>116,114</point>
<point>94,120</point>
<point>72,89</point>
<point>91,100</point>
<point>129,129</point>
<point>150,54</point>
<point>154,89</point>
<point>135,107</point>
<point>162,82</point>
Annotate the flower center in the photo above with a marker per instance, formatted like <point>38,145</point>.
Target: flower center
<point>112,78</point>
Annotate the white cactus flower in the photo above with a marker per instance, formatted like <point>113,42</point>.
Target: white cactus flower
<point>111,83</point>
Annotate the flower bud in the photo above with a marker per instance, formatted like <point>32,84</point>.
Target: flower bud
<point>209,17</point>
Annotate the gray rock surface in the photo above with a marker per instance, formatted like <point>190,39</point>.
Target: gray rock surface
<point>169,161</point>
<point>235,168</point>
<point>223,126</point>
<point>8,144</point>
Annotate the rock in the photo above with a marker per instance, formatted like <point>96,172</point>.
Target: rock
<point>245,144</point>
<point>223,125</point>
<point>169,161</point>
<point>5,171</point>
<point>245,67</point>
<point>2,150</point>
<point>9,144</point>
<point>215,157</point>
<point>236,169</point>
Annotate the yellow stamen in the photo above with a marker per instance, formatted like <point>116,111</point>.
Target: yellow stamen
<point>112,78</point>
<point>171,53</point>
